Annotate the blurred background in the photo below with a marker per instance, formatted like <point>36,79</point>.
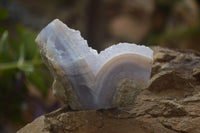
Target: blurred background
<point>25,83</point>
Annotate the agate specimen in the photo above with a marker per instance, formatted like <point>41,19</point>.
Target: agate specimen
<point>85,79</point>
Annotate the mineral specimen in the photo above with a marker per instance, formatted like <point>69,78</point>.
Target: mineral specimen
<point>85,79</point>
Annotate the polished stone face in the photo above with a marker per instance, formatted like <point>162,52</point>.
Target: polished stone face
<point>85,79</point>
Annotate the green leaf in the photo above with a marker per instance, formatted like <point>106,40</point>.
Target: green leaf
<point>21,55</point>
<point>27,37</point>
<point>3,41</point>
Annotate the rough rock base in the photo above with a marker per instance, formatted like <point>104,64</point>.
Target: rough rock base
<point>170,104</point>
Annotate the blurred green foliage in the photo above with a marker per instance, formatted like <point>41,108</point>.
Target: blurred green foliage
<point>20,67</point>
<point>3,14</point>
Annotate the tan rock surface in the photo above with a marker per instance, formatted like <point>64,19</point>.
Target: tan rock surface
<point>170,104</point>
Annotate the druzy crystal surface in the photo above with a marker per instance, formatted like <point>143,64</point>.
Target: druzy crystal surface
<point>86,79</point>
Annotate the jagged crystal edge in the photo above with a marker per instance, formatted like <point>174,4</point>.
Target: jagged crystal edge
<point>119,49</point>
<point>70,38</point>
<point>70,53</point>
<point>94,60</point>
